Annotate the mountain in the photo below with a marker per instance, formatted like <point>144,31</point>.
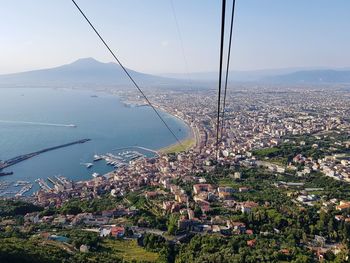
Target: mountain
<point>315,75</point>
<point>83,72</point>
<point>240,75</point>
<point>327,76</point>
<point>90,72</point>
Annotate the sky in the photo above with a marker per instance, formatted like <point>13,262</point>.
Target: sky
<point>267,34</point>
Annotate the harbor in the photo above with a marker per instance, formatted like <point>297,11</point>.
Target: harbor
<point>114,160</point>
<point>17,189</point>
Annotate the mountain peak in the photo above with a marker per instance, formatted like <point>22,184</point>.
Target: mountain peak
<point>84,71</point>
<point>88,60</point>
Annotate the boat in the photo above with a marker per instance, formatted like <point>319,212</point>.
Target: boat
<point>21,183</point>
<point>72,125</point>
<point>95,175</point>
<point>97,158</point>
<point>88,165</point>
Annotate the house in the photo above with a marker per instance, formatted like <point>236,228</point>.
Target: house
<point>105,232</point>
<point>204,206</point>
<point>251,243</point>
<point>225,189</point>
<point>46,219</point>
<point>84,248</point>
<point>285,251</point>
<point>108,213</point>
<point>32,217</point>
<point>344,205</point>
<point>238,227</point>
<point>224,195</point>
<point>339,217</point>
<point>181,198</point>
<point>117,232</point>
<point>247,207</point>
<point>190,213</point>
<point>203,196</point>
<point>167,205</point>
<point>280,169</point>
<point>150,195</point>
<point>60,220</point>
<point>197,188</point>
<point>81,218</point>
<point>243,189</point>
<point>249,232</point>
<point>237,175</point>
<point>96,221</point>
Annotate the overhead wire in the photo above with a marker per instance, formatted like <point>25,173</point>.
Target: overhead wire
<point>189,79</point>
<point>223,11</point>
<point>227,67</point>
<point>127,73</point>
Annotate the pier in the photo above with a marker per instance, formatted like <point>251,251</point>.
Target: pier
<point>27,156</point>
<point>137,147</point>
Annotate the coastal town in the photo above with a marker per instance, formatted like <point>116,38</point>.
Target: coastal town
<point>282,155</point>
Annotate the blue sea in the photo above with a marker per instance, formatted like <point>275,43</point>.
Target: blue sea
<point>30,120</point>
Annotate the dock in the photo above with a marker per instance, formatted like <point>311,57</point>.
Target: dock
<point>27,156</point>
<point>138,147</point>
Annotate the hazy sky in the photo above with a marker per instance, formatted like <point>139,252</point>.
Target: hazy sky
<point>268,34</point>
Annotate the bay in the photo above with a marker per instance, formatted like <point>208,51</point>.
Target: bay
<point>30,120</point>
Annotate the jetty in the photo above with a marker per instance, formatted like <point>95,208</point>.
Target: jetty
<point>27,156</point>
<point>137,147</point>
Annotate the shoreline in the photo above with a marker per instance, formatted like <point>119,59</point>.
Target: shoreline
<point>189,142</point>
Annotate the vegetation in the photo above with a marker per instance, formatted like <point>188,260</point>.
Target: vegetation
<point>281,229</point>
<point>16,208</point>
<point>309,146</point>
<point>20,250</point>
<point>129,250</point>
<point>176,148</point>
<point>76,206</point>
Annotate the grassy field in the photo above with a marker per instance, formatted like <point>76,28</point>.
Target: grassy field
<point>228,182</point>
<point>176,148</point>
<point>129,250</point>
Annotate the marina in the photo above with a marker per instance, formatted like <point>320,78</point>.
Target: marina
<point>11,188</point>
<point>59,183</point>
<point>24,189</point>
<point>120,159</point>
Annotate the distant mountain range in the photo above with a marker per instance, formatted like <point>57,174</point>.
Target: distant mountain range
<point>86,71</point>
<point>283,76</point>
<point>327,76</point>
<point>90,72</point>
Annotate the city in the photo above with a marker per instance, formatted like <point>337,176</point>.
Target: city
<point>174,131</point>
<point>195,193</point>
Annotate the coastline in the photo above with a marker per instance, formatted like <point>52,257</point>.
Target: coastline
<point>187,143</point>
<point>187,138</point>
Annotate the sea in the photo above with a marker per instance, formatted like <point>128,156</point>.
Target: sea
<point>32,119</point>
